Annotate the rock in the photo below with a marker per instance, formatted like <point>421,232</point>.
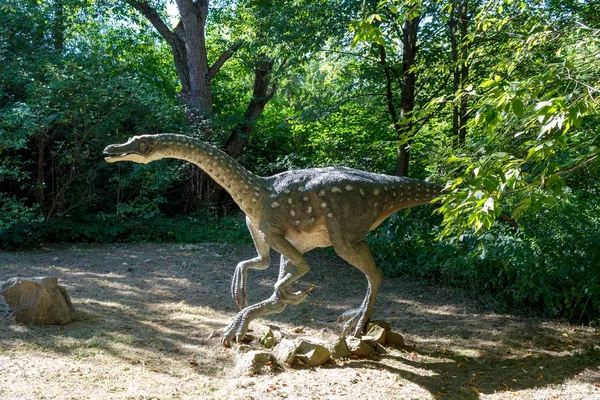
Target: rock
<point>38,301</point>
<point>338,348</point>
<point>271,337</point>
<point>5,310</point>
<point>358,347</point>
<point>379,322</point>
<point>380,349</point>
<point>394,339</point>
<point>285,351</point>
<point>376,335</point>
<point>244,348</point>
<point>254,362</point>
<point>311,353</point>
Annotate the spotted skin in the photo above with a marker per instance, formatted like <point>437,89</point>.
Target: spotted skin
<point>293,212</point>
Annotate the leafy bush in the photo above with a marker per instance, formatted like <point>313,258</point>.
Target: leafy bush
<point>202,227</point>
<point>549,265</point>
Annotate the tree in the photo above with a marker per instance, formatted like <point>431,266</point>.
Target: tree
<point>188,43</point>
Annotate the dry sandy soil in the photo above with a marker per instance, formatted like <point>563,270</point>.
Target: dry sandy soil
<point>150,317</point>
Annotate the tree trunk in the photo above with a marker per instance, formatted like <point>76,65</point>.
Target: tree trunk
<point>58,29</point>
<point>188,46</point>
<point>464,72</point>
<point>458,25</point>
<point>262,92</point>
<point>407,102</point>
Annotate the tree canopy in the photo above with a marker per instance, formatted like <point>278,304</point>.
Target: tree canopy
<point>496,100</point>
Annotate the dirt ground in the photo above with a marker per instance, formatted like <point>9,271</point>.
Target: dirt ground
<point>150,318</point>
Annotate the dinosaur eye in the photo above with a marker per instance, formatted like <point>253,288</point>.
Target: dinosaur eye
<point>143,146</point>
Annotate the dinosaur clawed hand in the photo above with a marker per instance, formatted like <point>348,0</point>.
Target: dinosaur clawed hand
<point>274,304</point>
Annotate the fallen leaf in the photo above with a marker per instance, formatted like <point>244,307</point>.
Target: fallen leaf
<point>442,394</point>
<point>460,364</point>
<point>565,334</point>
<point>540,377</point>
<point>475,389</point>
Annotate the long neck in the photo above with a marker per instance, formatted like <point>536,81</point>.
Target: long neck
<point>246,189</point>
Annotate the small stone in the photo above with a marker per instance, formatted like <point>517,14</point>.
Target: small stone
<point>312,354</point>
<point>394,339</point>
<point>271,337</point>
<point>380,349</point>
<point>375,335</point>
<point>244,348</point>
<point>254,362</point>
<point>338,348</point>
<point>382,323</point>
<point>285,351</point>
<point>358,347</point>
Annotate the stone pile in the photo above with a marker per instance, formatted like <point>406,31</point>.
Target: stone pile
<point>308,351</point>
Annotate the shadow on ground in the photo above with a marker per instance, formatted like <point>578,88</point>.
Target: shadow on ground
<point>164,308</point>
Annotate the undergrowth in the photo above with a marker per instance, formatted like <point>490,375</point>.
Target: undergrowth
<point>550,265</point>
<point>201,227</point>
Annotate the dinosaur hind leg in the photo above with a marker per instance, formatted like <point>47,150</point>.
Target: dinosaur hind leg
<point>359,256</point>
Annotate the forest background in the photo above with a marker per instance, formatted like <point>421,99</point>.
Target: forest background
<point>496,100</point>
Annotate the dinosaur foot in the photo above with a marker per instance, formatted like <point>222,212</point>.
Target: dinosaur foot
<point>354,322</point>
<point>239,326</point>
<point>275,304</point>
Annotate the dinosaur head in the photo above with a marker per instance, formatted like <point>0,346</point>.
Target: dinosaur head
<point>139,149</point>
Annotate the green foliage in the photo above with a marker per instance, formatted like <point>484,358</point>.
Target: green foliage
<point>203,227</point>
<point>549,265</point>
<point>534,120</point>
<point>76,76</point>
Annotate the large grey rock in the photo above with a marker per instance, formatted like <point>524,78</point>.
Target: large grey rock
<point>38,301</point>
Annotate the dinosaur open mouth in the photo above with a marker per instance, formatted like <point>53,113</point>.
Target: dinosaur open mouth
<point>111,157</point>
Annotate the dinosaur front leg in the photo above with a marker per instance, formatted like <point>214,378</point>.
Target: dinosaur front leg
<point>359,256</point>
<point>293,266</point>
<point>274,304</point>
<point>238,283</point>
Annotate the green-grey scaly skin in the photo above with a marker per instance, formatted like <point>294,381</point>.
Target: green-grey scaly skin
<point>293,212</point>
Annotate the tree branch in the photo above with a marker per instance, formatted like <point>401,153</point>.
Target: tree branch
<point>150,13</point>
<point>212,71</point>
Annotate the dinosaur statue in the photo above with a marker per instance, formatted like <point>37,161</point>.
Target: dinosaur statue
<point>293,212</point>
